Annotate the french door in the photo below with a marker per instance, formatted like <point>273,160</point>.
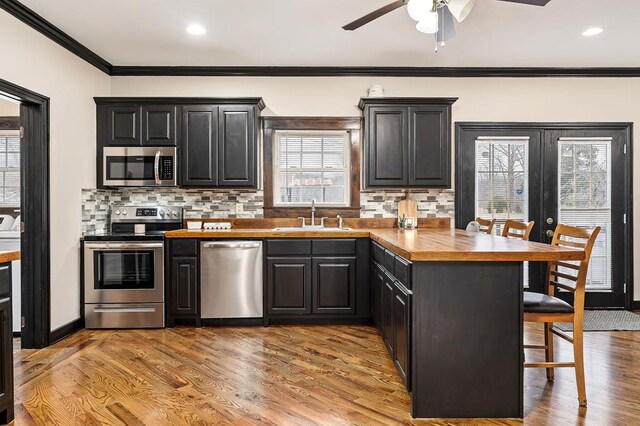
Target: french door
<point>572,174</point>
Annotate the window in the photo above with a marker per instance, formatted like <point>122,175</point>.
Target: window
<point>308,158</point>
<point>311,165</point>
<point>9,167</point>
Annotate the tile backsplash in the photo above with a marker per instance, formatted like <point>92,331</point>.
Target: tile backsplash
<point>243,203</point>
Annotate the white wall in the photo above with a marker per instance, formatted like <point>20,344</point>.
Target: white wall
<point>31,60</point>
<point>480,99</point>
<point>9,109</point>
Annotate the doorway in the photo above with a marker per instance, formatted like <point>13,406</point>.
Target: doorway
<point>34,214</point>
<point>576,174</point>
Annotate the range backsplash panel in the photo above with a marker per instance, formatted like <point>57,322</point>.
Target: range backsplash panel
<point>243,203</point>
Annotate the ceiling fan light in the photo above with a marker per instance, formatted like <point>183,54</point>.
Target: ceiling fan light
<point>460,8</point>
<point>418,9</point>
<point>429,23</point>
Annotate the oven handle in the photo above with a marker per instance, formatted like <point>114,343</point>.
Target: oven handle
<point>156,167</point>
<point>102,246</point>
<point>131,309</point>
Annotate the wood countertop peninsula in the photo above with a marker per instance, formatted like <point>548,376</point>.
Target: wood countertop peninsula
<point>418,245</point>
<point>9,256</point>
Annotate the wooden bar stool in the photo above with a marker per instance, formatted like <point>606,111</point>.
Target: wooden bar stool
<point>486,225</point>
<point>547,309</point>
<point>514,229</point>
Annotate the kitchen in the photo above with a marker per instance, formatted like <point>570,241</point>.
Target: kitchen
<point>220,99</point>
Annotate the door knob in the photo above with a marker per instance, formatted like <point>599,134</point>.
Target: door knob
<point>550,221</point>
<point>550,233</point>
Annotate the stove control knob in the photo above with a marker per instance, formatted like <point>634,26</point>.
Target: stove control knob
<point>161,212</point>
<point>117,212</point>
<point>175,213</point>
<point>124,212</point>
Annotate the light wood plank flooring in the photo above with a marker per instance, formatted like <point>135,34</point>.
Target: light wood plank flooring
<point>284,375</point>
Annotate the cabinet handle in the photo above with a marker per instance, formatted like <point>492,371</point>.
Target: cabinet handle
<point>4,268</point>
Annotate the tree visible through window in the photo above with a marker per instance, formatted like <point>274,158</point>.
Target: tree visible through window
<point>10,167</point>
<point>311,165</point>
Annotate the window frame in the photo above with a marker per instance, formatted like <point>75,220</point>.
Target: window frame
<point>273,125</point>
<point>346,169</point>
<point>7,133</point>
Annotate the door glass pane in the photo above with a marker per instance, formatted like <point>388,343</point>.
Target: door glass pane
<point>124,270</point>
<point>584,188</point>
<point>502,182</point>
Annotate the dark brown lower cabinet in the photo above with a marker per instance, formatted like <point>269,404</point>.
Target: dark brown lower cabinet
<point>377,282</point>
<point>184,286</point>
<point>6,346</point>
<point>289,285</point>
<point>401,320</point>
<point>334,285</point>
<point>387,313</point>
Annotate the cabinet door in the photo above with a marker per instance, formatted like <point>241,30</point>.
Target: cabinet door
<point>334,285</point>
<point>430,146</point>
<point>184,286</point>
<point>159,125</point>
<point>386,148</point>
<point>387,313</point>
<point>289,285</point>
<point>237,146</point>
<point>6,361</point>
<point>200,146</point>
<point>401,321</point>
<point>377,284</point>
<point>122,125</point>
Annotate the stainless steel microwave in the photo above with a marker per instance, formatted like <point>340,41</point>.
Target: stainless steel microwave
<point>139,166</point>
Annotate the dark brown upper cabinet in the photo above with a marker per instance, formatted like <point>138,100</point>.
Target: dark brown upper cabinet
<point>407,142</point>
<point>121,125</point>
<point>238,145</point>
<point>199,146</point>
<point>217,138</point>
<point>159,125</point>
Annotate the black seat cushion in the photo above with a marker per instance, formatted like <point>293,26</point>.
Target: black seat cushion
<point>545,304</point>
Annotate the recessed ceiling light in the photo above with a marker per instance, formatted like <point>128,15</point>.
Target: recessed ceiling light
<point>196,29</point>
<point>593,31</point>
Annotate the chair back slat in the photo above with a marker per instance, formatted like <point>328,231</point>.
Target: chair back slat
<point>523,229</point>
<point>578,238</point>
<point>486,225</point>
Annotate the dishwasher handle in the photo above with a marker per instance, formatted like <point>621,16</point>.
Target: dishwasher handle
<point>232,244</point>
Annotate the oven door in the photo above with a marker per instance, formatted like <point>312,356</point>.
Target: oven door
<point>139,166</point>
<point>123,272</point>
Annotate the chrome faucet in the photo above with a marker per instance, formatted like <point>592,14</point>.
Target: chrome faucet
<point>313,212</point>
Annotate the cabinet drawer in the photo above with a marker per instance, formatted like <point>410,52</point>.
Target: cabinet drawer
<point>389,261</point>
<point>5,279</point>
<point>334,247</point>
<point>377,252</point>
<point>290,247</point>
<point>403,271</point>
<point>187,247</point>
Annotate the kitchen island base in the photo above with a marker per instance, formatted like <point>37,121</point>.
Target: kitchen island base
<point>467,331</point>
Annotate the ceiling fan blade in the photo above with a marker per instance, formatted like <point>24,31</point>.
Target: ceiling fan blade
<point>374,15</point>
<point>531,2</point>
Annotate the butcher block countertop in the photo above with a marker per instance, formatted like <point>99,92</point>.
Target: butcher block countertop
<point>9,256</point>
<point>428,244</point>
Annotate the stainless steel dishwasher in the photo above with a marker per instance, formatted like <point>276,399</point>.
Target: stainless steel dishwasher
<point>231,279</point>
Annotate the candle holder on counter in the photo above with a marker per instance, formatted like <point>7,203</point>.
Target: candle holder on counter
<point>407,222</point>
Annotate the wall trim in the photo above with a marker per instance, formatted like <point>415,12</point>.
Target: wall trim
<point>635,306</point>
<point>46,28</point>
<point>40,24</point>
<point>66,330</point>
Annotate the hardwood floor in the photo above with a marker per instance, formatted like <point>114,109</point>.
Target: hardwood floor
<point>284,375</point>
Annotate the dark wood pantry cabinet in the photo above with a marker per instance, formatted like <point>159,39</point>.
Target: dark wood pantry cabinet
<point>217,138</point>
<point>407,142</point>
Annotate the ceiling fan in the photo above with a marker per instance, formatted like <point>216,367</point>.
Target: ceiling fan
<point>433,16</point>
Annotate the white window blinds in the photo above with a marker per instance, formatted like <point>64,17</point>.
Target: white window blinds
<point>9,167</point>
<point>311,166</point>
<point>584,188</point>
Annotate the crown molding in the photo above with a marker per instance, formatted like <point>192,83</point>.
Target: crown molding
<point>37,22</point>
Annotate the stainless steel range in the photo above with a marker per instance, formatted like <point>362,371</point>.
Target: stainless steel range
<point>124,270</point>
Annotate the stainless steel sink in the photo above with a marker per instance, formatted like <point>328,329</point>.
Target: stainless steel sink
<point>310,229</point>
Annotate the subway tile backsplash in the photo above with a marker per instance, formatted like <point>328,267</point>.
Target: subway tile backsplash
<point>243,203</point>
